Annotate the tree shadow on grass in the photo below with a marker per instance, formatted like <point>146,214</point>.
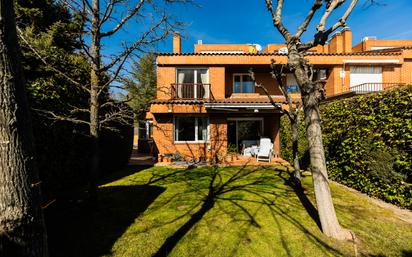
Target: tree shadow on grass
<point>215,188</point>
<point>300,193</point>
<point>75,229</point>
<point>126,171</point>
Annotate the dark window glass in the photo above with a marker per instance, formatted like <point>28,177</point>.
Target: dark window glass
<point>202,129</point>
<point>142,130</point>
<point>191,128</point>
<point>237,84</point>
<point>185,128</point>
<point>247,84</point>
<point>243,83</point>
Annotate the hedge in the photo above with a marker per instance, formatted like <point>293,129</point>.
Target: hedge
<point>64,151</point>
<point>368,143</point>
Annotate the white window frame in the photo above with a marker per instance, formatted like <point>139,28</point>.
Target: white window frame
<point>146,135</point>
<point>195,77</point>
<point>148,123</point>
<point>241,83</point>
<point>197,141</point>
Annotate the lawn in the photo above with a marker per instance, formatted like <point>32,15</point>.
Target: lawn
<point>234,211</point>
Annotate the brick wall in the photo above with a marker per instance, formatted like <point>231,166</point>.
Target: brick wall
<point>165,76</point>
<point>163,136</point>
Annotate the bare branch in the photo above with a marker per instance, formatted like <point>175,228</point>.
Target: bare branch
<point>120,114</point>
<point>278,75</point>
<point>87,4</point>
<point>114,76</point>
<point>252,75</point>
<point>108,11</point>
<point>78,110</point>
<point>54,116</point>
<point>332,5</point>
<point>117,103</point>
<point>302,28</point>
<point>142,41</point>
<point>322,36</point>
<point>342,20</point>
<point>75,6</point>
<point>119,25</point>
<point>277,18</point>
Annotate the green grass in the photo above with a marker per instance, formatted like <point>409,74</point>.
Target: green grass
<point>233,211</point>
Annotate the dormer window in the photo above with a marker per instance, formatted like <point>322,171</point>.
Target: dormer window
<point>243,83</point>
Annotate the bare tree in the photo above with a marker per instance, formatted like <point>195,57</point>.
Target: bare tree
<point>105,22</point>
<point>312,92</point>
<point>293,111</point>
<point>22,230</point>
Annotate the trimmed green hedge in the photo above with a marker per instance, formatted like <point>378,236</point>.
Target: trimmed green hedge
<point>368,143</point>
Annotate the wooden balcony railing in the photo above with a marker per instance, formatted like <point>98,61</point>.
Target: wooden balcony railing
<point>191,91</point>
<point>373,87</point>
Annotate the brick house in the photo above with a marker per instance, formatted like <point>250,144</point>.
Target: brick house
<point>206,101</point>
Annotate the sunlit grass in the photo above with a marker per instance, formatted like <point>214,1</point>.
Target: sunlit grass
<point>236,212</point>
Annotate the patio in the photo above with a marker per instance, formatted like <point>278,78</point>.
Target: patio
<point>239,160</point>
<point>251,161</point>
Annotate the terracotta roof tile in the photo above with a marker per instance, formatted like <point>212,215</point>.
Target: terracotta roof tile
<point>178,101</point>
<point>237,100</point>
<point>372,53</point>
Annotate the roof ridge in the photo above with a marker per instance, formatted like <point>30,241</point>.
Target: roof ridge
<point>377,52</point>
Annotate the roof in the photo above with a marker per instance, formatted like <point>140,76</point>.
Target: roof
<point>363,53</point>
<point>178,101</point>
<point>236,100</point>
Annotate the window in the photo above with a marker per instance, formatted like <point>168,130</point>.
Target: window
<point>291,84</point>
<point>243,83</point>
<point>193,129</point>
<point>365,78</point>
<point>321,74</point>
<point>145,129</point>
<point>192,83</point>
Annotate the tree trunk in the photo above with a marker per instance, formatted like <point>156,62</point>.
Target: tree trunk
<point>22,230</point>
<point>94,99</point>
<point>295,149</point>
<point>311,95</point>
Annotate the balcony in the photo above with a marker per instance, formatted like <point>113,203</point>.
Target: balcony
<point>190,91</point>
<point>364,88</point>
<point>373,87</point>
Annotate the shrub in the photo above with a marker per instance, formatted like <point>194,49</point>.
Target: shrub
<point>286,142</point>
<point>367,143</point>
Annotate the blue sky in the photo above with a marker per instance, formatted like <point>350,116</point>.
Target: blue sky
<point>247,21</point>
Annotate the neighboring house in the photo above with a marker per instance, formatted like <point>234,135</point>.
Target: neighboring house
<point>206,100</point>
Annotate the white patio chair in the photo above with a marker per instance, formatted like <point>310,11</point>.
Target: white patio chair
<point>248,147</point>
<point>265,150</point>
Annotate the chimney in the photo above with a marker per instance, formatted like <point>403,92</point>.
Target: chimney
<point>177,45</point>
<point>347,40</point>
<point>336,43</point>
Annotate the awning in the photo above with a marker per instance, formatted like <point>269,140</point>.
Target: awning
<point>249,106</point>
